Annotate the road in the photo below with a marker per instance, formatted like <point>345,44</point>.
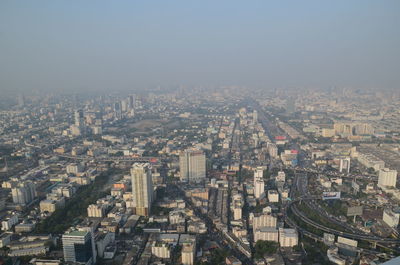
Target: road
<point>300,184</point>
<point>213,233</point>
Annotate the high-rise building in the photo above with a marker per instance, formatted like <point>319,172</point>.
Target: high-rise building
<point>118,110</point>
<point>288,237</point>
<point>267,234</point>
<point>255,117</point>
<point>391,218</point>
<point>344,165</point>
<point>387,178</point>
<point>24,192</point>
<point>264,220</point>
<point>258,183</point>
<point>78,118</point>
<point>142,188</point>
<point>78,247</point>
<point>192,165</point>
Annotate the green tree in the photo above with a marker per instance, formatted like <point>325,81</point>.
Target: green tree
<point>263,248</point>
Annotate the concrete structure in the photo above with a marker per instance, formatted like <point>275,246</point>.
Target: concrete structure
<point>387,178</point>
<point>391,218</point>
<point>273,196</point>
<point>188,254</point>
<point>95,210</point>
<point>192,165</point>
<point>266,234</point>
<point>78,247</point>
<point>24,192</point>
<point>51,206</point>
<point>74,168</point>
<point>258,183</point>
<point>9,222</point>
<point>288,237</point>
<point>264,220</point>
<point>344,165</point>
<point>142,188</point>
<point>161,250</point>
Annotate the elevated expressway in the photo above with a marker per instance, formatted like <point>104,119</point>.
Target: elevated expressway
<point>300,186</point>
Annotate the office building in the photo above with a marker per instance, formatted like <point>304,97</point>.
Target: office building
<point>344,166</point>
<point>161,250</point>
<point>78,118</point>
<point>391,218</point>
<point>288,237</point>
<point>266,234</point>
<point>387,178</point>
<point>142,188</point>
<point>24,193</point>
<point>188,253</point>
<point>78,247</point>
<point>264,220</point>
<point>258,183</point>
<point>192,165</point>
<point>96,210</point>
<point>273,196</point>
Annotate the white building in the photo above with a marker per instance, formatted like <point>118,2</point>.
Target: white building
<point>258,183</point>
<point>24,192</point>
<point>142,188</point>
<point>259,189</point>
<point>391,218</point>
<point>344,165</point>
<point>8,223</point>
<point>51,206</point>
<point>273,196</point>
<point>387,178</point>
<point>74,168</point>
<point>264,220</point>
<point>188,253</point>
<point>237,213</point>
<point>288,237</point>
<point>266,234</point>
<point>192,164</point>
<point>95,210</point>
<point>161,250</point>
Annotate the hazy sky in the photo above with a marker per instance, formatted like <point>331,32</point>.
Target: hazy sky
<point>76,45</point>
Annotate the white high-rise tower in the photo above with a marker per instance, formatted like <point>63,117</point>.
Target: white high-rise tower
<point>142,188</point>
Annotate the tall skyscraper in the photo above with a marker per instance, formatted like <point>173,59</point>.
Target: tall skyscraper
<point>344,165</point>
<point>258,183</point>
<point>255,117</point>
<point>78,118</point>
<point>78,247</point>
<point>142,188</point>
<point>192,164</point>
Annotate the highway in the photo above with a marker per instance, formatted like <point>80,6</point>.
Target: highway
<point>300,184</point>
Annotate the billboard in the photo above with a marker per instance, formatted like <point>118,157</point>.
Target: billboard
<point>354,211</point>
<point>347,241</point>
<point>331,195</point>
